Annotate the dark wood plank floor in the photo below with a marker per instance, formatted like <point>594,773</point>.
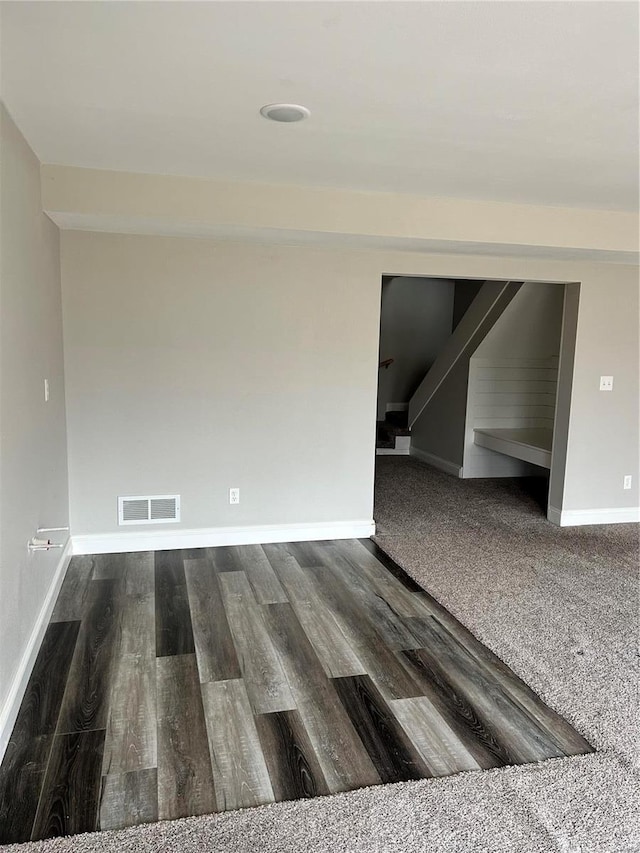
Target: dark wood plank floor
<point>185,682</point>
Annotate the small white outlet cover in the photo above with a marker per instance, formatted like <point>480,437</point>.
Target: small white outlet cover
<point>606,383</point>
<point>627,482</point>
<point>46,390</point>
<point>234,496</point>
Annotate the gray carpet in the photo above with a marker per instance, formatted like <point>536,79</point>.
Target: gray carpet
<point>559,606</point>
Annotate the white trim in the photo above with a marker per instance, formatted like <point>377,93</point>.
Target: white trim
<point>517,443</point>
<point>397,407</point>
<point>576,517</point>
<point>9,712</point>
<point>437,462</point>
<point>207,537</point>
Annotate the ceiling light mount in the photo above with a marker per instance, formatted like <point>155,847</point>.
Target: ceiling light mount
<point>287,113</point>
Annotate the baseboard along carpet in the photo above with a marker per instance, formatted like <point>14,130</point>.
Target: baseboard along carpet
<point>558,606</point>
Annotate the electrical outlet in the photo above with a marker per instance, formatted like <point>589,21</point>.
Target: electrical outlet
<point>234,496</point>
<point>627,481</point>
<point>46,390</point>
<point>606,383</point>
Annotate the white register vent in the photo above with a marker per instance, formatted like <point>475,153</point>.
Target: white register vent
<point>148,509</point>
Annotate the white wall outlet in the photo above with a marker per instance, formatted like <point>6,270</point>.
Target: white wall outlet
<point>626,484</point>
<point>234,496</point>
<point>46,390</point>
<point>606,383</point>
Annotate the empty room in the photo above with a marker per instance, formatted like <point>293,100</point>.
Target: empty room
<point>319,426</point>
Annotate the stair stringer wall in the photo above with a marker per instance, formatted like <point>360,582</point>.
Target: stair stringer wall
<point>437,411</point>
<point>440,429</point>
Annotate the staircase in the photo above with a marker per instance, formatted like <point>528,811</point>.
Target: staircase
<point>393,437</point>
<point>486,407</point>
<point>482,314</point>
<point>450,369</point>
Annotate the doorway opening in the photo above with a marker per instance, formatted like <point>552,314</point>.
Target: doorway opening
<point>475,380</point>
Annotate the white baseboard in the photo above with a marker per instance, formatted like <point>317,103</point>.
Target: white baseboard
<point>11,706</point>
<point>437,462</point>
<point>576,517</point>
<point>209,537</point>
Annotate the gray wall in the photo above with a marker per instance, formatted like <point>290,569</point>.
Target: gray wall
<point>438,420</point>
<point>193,366</point>
<point>530,326</point>
<point>465,292</point>
<point>571,311</point>
<point>439,431</point>
<point>33,461</point>
<point>416,319</point>
<point>603,441</point>
<point>395,234</point>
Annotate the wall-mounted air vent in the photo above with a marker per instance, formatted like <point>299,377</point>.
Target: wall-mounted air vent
<point>149,509</point>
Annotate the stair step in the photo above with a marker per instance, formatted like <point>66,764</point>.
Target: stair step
<point>401,447</point>
<point>387,433</point>
<point>397,418</point>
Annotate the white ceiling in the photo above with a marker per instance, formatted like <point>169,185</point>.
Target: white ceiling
<point>516,101</point>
